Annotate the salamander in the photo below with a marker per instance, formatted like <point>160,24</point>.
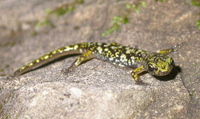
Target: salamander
<point>156,63</point>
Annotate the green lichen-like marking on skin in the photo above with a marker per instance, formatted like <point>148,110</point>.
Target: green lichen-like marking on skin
<point>156,63</point>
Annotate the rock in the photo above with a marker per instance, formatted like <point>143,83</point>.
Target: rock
<point>97,89</point>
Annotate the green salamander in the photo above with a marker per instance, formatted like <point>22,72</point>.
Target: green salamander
<point>156,63</point>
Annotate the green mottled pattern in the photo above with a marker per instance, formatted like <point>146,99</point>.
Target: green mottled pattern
<point>158,64</point>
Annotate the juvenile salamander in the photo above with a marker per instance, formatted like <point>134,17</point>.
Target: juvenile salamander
<point>156,63</point>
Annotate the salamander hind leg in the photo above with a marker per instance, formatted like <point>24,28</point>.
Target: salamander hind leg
<point>84,57</point>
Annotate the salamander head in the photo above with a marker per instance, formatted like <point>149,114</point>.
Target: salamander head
<point>160,65</point>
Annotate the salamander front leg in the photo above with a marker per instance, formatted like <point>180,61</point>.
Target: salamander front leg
<point>170,50</point>
<point>84,57</point>
<point>135,74</point>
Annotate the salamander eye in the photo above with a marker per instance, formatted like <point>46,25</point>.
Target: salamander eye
<point>152,68</point>
<point>172,62</point>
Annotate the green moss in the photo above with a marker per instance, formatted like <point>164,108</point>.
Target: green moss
<point>1,70</point>
<point>43,23</point>
<point>10,43</point>
<point>6,66</point>
<point>192,93</point>
<point>120,20</point>
<point>6,116</point>
<point>137,7</point>
<point>58,11</point>
<point>198,24</point>
<point>62,10</point>
<point>116,25</point>
<point>76,81</point>
<point>65,8</point>
<point>161,0</point>
<point>195,3</point>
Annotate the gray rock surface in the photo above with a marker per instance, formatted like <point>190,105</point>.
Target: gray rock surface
<point>97,89</point>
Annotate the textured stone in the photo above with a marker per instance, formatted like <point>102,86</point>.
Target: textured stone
<point>97,89</point>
